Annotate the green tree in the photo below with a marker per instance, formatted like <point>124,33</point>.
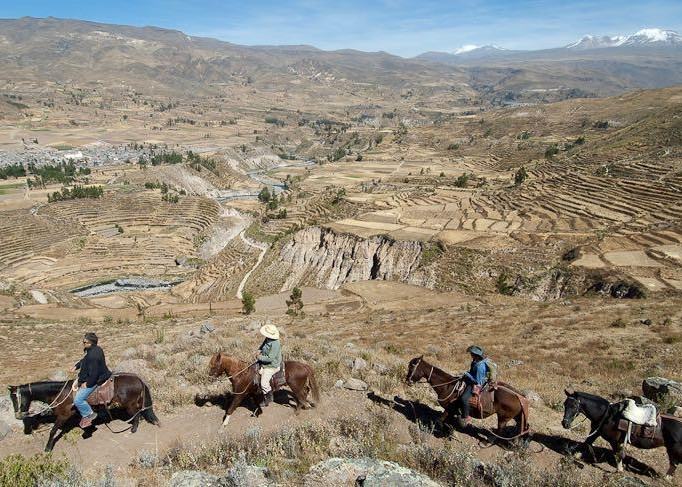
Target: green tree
<point>295,302</point>
<point>248,303</point>
<point>264,195</point>
<point>520,176</point>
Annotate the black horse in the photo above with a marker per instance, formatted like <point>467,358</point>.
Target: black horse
<point>604,418</point>
<point>131,395</point>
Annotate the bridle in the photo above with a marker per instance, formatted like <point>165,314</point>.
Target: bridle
<point>411,377</point>
<point>578,411</point>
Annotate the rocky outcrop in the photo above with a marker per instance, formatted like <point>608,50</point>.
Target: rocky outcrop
<point>368,472</point>
<point>663,391</point>
<point>320,257</point>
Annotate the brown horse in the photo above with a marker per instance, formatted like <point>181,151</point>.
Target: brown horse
<point>508,403</point>
<point>245,381</point>
<point>604,418</point>
<point>131,394</point>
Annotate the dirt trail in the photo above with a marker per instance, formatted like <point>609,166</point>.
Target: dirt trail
<point>263,250</point>
<point>196,426</point>
<point>193,425</point>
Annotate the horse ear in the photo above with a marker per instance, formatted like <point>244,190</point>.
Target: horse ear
<point>569,392</point>
<point>421,356</point>
<point>218,355</point>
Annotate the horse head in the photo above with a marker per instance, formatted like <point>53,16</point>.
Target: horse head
<point>571,408</point>
<point>20,402</point>
<point>215,366</point>
<point>414,370</point>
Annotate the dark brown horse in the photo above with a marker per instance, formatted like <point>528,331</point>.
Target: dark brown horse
<point>604,418</point>
<point>131,395</point>
<point>245,381</point>
<point>508,403</point>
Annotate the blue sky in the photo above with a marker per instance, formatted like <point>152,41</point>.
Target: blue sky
<point>400,27</point>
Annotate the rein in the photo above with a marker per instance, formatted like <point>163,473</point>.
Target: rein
<point>601,421</point>
<point>238,373</point>
<point>50,406</point>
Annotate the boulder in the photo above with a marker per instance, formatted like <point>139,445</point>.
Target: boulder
<point>7,414</point>
<point>355,385</point>
<point>241,474</point>
<point>338,384</point>
<point>38,296</point>
<point>207,327</point>
<point>513,363</point>
<point>379,368</point>
<point>133,366</point>
<point>193,478</point>
<point>677,412</point>
<point>662,390</point>
<point>533,397</point>
<point>59,375</point>
<point>359,364</point>
<point>129,353</point>
<point>375,473</point>
<point>4,430</point>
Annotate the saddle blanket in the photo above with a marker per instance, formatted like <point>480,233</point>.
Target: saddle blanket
<point>645,415</point>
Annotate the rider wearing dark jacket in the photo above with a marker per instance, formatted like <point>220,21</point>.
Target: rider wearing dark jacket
<point>92,369</point>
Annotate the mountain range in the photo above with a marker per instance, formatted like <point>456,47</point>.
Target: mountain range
<point>172,63</point>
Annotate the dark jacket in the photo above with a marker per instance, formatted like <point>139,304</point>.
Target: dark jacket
<point>92,369</point>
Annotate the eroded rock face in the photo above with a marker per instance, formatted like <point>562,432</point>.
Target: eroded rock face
<point>320,257</point>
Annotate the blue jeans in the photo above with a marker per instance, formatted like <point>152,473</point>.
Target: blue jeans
<point>80,401</point>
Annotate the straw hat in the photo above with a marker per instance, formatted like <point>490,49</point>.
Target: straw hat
<point>269,331</point>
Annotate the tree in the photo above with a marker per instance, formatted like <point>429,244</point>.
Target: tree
<point>248,303</point>
<point>264,195</point>
<point>462,181</point>
<point>520,176</point>
<point>295,302</point>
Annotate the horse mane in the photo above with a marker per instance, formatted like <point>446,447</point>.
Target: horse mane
<point>41,388</point>
<point>592,397</point>
<point>437,369</point>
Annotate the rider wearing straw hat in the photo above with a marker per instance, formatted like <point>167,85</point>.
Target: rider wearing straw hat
<point>269,357</point>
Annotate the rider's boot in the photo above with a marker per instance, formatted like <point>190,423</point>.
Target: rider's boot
<point>86,422</point>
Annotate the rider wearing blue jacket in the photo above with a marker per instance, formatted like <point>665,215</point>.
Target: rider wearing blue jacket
<point>475,377</point>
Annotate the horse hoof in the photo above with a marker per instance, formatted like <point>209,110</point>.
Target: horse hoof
<point>619,468</point>
<point>578,455</point>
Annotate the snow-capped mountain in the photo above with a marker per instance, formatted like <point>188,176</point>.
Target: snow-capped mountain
<point>644,37</point>
<point>472,49</point>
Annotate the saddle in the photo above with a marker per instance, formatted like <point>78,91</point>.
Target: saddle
<point>103,394</point>
<point>482,399</point>
<point>276,382</point>
<point>279,379</point>
<point>645,415</point>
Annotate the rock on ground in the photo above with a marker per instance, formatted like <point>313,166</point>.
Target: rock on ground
<point>376,473</point>
<point>207,327</point>
<point>39,297</point>
<point>359,364</point>
<point>664,390</point>
<point>59,375</point>
<point>242,474</point>
<point>193,478</point>
<point>355,385</point>
<point>533,397</point>
<point>7,414</point>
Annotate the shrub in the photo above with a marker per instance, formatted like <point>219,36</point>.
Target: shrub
<point>462,181</point>
<point>551,151</point>
<point>453,146</point>
<point>248,303</point>
<point>19,471</point>
<point>520,176</point>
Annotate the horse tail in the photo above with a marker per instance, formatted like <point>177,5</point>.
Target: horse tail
<point>312,383</point>
<point>148,411</point>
